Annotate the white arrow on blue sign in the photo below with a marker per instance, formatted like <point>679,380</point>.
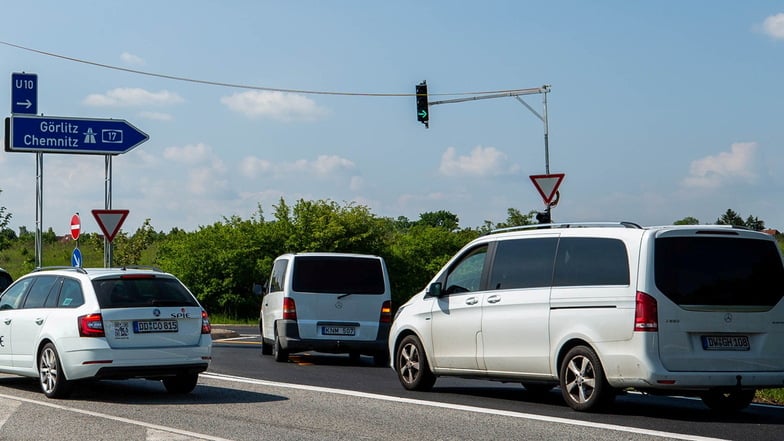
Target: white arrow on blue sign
<point>55,134</point>
<point>24,93</point>
<point>76,258</point>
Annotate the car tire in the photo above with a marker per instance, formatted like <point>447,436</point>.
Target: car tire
<point>281,355</point>
<point>583,384</point>
<point>181,384</point>
<point>381,359</point>
<point>50,373</point>
<point>728,401</point>
<point>411,365</point>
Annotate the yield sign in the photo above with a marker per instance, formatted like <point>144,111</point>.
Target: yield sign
<point>547,185</point>
<point>110,221</point>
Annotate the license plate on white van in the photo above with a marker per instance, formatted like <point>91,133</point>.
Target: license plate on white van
<point>338,330</point>
<point>726,343</point>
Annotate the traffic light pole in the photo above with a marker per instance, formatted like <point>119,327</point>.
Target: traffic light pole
<point>544,90</point>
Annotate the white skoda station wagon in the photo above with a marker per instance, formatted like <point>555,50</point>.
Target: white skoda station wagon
<point>600,308</point>
<point>66,324</point>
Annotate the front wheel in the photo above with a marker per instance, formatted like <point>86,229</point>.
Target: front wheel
<point>728,401</point>
<point>51,375</point>
<point>583,384</point>
<point>411,365</point>
<point>181,384</point>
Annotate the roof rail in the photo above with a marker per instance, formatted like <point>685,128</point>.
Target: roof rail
<point>61,267</point>
<point>624,224</point>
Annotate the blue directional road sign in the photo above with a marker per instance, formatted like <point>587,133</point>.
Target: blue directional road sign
<point>24,93</point>
<point>54,134</point>
<point>76,258</point>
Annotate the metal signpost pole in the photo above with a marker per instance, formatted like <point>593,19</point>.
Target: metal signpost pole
<point>39,208</point>
<point>107,244</point>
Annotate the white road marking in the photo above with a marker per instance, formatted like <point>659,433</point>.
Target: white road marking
<point>158,428</point>
<point>474,409</point>
<point>7,408</point>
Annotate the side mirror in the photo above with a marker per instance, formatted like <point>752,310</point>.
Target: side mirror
<point>259,289</point>
<point>434,290</point>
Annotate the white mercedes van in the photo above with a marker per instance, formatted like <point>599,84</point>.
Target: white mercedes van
<point>599,308</point>
<point>327,302</point>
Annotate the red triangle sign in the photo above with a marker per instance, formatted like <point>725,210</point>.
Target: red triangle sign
<point>110,221</point>
<point>547,185</point>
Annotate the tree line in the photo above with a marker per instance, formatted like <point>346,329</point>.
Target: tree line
<point>221,262</point>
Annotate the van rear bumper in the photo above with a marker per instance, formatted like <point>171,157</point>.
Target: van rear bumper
<point>290,341</point>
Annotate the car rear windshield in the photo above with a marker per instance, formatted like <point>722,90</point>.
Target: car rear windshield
<point>131,292</point>
<point>719,271</point>
<point>338,275</point>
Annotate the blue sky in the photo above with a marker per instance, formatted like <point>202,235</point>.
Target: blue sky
<point>657,110</point>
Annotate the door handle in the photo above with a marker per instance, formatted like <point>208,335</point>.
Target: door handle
<point>7,321</point>
<point>493,299</point>
<point>471,301</point>
<point>39,321</point>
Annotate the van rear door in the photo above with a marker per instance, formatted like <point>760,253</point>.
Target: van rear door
<point>719,294</point>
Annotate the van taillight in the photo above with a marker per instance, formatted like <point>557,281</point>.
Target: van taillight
<point>91,325</point>
<point>289,309</point>
<point>206,327</point>
<point>386,312</point>
<point>646,316</point>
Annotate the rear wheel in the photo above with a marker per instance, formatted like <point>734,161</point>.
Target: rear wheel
<point>51,375</point>
<point>728,401</point>
<point>411,365</point>
<point>583,384</point>
<point>280,354</point>
<point>181,384</point>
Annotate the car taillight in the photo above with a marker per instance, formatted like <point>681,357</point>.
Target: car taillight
<point>386,312</point>
<point>91,325</point>
<point>646,315</point>
<point>206,327</point>
<point>289,309</point>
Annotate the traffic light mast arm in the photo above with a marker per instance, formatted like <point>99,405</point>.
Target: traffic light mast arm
<point>515,93</point>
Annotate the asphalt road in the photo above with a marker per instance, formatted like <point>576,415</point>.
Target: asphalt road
<point>242,357</point>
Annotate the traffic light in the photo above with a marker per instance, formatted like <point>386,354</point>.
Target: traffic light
<point>544,217</point>
<point>421,100</point>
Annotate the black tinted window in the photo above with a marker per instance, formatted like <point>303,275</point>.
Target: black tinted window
<point>719,271</point>
<point>137,291</point>
<point>39,291</point>
<point>338,275</point>
<point>523,263</point>
<point>591,261</point>
<point>5,280</point>
<point>278,275</point>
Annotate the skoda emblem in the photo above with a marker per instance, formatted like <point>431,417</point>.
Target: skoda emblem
<point>156,312</point>
<point>728,318</point>
<point>339,305</point>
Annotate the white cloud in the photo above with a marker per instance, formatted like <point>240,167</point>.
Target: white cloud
<point>483,161</point>
<point>190,154</point>
<point>773,26</point>
<point>128,97</point>
<point>131,59</point>
<point>714,171</point>
<point>275,105</point>
<point>324,165</point>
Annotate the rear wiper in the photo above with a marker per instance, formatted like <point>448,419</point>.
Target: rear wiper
<point>344,295</point>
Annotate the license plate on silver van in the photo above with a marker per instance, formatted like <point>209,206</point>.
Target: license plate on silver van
<point>726,343</point>
<point>338,330</point>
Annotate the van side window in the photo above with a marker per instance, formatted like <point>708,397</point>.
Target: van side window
<point>591,261</point>
<point>466,274</point>
<point>278,274</point>
<point>523,263</point>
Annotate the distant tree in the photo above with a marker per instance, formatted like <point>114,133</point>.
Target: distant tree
<point>688,220</point>
<point>754,223</point>
<point>441,218</point>
<point>731,218</point>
